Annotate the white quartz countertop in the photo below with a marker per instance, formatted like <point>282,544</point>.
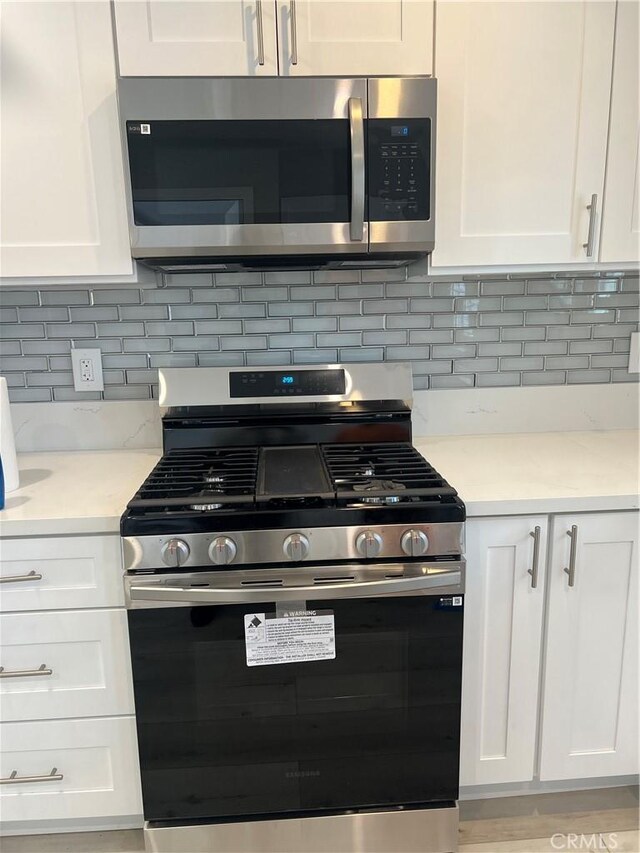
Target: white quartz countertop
<point>86,491</point>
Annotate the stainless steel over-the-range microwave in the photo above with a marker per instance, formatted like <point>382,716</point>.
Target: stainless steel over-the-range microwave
<point>276,173</point>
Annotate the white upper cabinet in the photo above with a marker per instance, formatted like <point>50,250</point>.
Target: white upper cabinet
<point>196,38</point>
<point>621,214</point>
<point>63,204</point>
<point>590,699</point>
<point>523,105</point>
<point>338,38</point>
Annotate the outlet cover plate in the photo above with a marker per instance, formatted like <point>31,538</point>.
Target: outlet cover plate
<point>634,353</point>
<point>94,357</point>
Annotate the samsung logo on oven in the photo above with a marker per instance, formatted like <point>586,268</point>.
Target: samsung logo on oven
<point>301,774</point>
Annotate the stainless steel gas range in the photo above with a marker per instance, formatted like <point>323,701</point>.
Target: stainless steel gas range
<point>295,594</point>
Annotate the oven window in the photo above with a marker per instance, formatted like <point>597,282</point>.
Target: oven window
<point>239,172</point>
<point>375,727</point>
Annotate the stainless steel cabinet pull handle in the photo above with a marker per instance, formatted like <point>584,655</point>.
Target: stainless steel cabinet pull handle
<point>14,779</point>
<point>32,576</point>
<point>571,571</point>
<point>260,32</point>
<point>592,208</point>
<point>43,669</point>
<point>533,571</point>
<point>294,32</point>
<point>356,131</point>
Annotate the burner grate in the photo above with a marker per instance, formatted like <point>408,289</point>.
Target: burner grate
<point>200,479</point>
<point>385,471</point>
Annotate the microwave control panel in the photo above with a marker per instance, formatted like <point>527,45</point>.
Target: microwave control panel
<point>399,157</point>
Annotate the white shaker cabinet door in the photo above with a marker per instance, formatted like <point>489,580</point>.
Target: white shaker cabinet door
<point>590,700</point>
<point>355,38</point>
<point>621,214</point>
<point>63,203</point>
<point>502,640</point>
<point>196,38</point>
<point>523,105</point>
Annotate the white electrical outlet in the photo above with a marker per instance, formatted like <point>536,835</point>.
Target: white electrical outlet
<point>87,369</point>
<point>634,354</point>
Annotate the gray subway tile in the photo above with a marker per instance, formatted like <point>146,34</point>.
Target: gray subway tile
<point>360,291</point>
<point>475,365</point>
<point>497,380</point>
<point>22,362</point>
<point>358,354</point>
<point>456,321</point>
<point>593,316</point>
<point>264,359</point>
<point>502,288</point>
<point>457,288</point>
<point>113,377</point>
<point>420,383</point>
<point>583,300</point>
<point>237,279</point>
<point>336,276</point>
<point>522,303</point>
<point>481,303</point>
<point>73,330</point>
<point>272,325</point>
<point>59,362</point>
<point>628,315</point>
<point>522,363</point>
<point>118,330</point>
<point>407,288</point>
<point>453,381</point>
<point>504,318</point>
<point>620,330</point>
<point>568,333</point>
<point>616,300</point>
<point>408,321</point>
<point>220,359</point>
<point>172,359</point>
<point>247,309</point>
<point>620,344</point>
<point>292,341</point>
<point>407,353</point>
<point>433,305</point>
<point>315,356</point>
<point>93,313</point>
<point>111,296</point>
<point>314,324</point>
<point>517,334</point>
<point>51,314</point>
<point>566,362</point>
<point>387,306</point>
<point>70,395</point>
<point>399,274</point>
<point>29,395</point>
<point>592,346</point>
<point>123,361</point>
<point>189,279</point>
<point>595,285</point>
<point>287,277</point>
<point>126,392</point>
<point>432,367</point>
<point>621,376</point>
<point>548,285</point>
<point>462,336</point>
<point>12,298</point>
<point>217,296</point>
<point>453,351</point>
<point>168,327</point>
<point>339,339</point>
<point>52,377</point>
<point>292,309</point>
<point>495,349</point>
<point>266,294</point>
<point>243,342</point>
<point>147,345</point>
<point>200,342</point>
<point>64,297</point>
<point>382,338</point>
<point>546,377</point>
<point>14,380</point>
<point>431,336</point>
<point>221,327</point>
<point>103,344</point>
<point>142,377</point>
<point>546,348</point>
<point>165,296</point>
<point>547,318</point>
<point>312,291</point>
<point>371,321</point>
<point>202,311</point>
<point>12,347</point>
<point>146,312</point>
<point>613,360</point>
<point>16,331</point>
<point>344,306</point>
<point>584,377</point>
<point>630,284</point>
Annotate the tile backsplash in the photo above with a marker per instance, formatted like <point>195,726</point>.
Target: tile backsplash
<point>458,333</point>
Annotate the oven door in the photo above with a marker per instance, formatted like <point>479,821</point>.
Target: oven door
<point>372,723</point>
<point>240,167</point>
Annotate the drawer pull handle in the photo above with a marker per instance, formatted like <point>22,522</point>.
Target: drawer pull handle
<point>32,576</point>
<point>14,779</point>
<point>43,669</point>
<point>571,571</point>
<point>533,571</point>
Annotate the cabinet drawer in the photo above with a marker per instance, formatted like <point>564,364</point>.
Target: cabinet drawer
<point>61,573</point>
<point>85,661</point>
<point>97,760</point>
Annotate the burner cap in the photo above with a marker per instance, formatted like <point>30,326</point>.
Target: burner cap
<point>378,486</point>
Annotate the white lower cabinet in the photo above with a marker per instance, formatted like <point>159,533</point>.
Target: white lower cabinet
<point>590,712</point>
<point>502,641</point>
<point>92,765</point>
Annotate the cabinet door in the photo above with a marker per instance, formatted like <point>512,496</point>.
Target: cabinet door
<point>590,701</point>
<point>621,212</point>
<point>196,38</point>
<point>523,103</point>
<point>63,204</point>
<point>344,38</point>
<point>502,642</point>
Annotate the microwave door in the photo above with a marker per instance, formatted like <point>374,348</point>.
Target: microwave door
<point>226,168</point>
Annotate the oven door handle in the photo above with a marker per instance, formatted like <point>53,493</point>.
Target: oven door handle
<point>426,584</point>
<point>356,132</point>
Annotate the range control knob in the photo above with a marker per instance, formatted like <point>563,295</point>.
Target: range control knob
<point>414,543</point>
<point>175,553</point>
<point>222,550</point>
<point>296,547</point>
<point>368,543</point>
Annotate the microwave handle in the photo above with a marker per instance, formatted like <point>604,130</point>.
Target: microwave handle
<point>356,131</point>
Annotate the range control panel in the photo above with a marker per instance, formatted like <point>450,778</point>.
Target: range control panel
<point>399,169</point>
<point>286,383</point>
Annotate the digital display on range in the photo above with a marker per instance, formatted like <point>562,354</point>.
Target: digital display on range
<point>298,383</point>
<point>399,130</point>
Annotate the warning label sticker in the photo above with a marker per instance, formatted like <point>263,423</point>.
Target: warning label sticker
<point>302,635</point>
